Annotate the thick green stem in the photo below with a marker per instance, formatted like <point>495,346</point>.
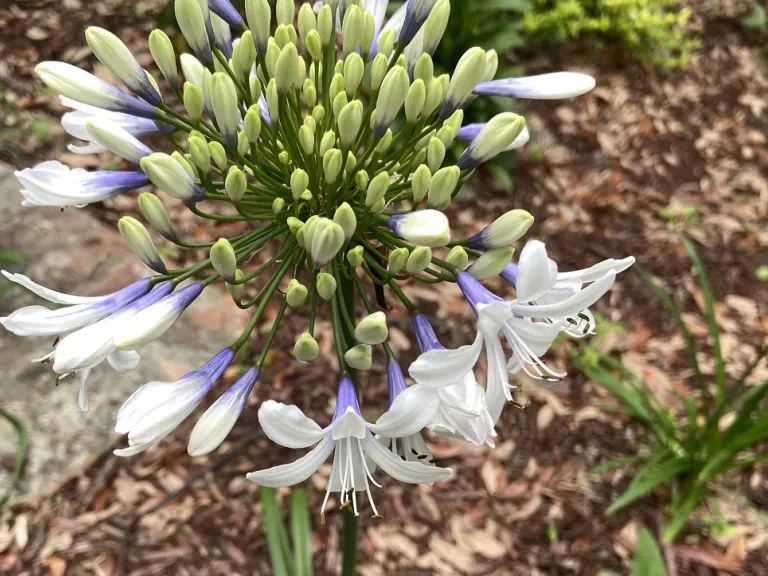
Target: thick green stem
<point>349,543</point>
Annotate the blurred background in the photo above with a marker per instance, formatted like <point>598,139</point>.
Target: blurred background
<point>648,459</point>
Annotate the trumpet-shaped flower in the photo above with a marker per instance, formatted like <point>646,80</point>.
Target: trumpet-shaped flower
<point>156,408</point>
<point>424,227</point>
<point>52,183</point>
<point>353,440</point>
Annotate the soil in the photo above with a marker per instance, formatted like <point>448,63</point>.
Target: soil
<point>607,175</point>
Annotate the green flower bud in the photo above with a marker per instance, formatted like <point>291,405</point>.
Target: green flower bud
<point>353,30</point>
<point>252,124</point>
<point>379,68</point>
<point>328,141</point>
<point>414,101</point>
<point>435,154</point>
<point>244,55</point>
<point>193,101</point>
<point>327,240</point>
<point>458,257</point>
<point>201,156</point>
<point>339,102</point>
<point>284,158</point>
<point>218,154</point>
<point>397,260</point>
<point>285,11</point>
<point>434,98</point>
<point>469,71</point>
<point>296,294</point>
<point>379,206</point>
<point>338,85</point>
<point>351,162</point>
<point>345,217</point>
<point>377,189</point>
<point>332,162</point>
<point>420,258</point>
<point>243,145</point>
<point>424,69</point>
<point>326,286</point>
<point>301,72</point>
<point>361,179</point>
<point>349,121</point>
<point>314,46</point>
<point>495,137</point>
<point>424,142</point>
<point>161,48</point>
<point>237,290</point>
<point>207,89</point>
<point>385,142</point>
<point>273,53</point>
<point>224,260</point>
<point>435,26</point>
<point>491,65</point>
<point>318,113</point>
<point>505,230</point>
<point>307,21</point>
<point>299,182</point>
<point>259,16</point>
<point>286,69</point>
<point>309,94</point>
<point>422,177</point>
<point>277,205</point>
<point>306,139</point>
<point>138,240</point>
<point>492,263</point>
<point>191,16</point>
<point>225,104</point>
<point>386,43</point>
<point>273,102</point>
<point>294,225</point>
<point>235,184</point>
<point>442,186</point>
<point>355,256</point>
<point>360,357</point>
<point>300,239</point>
<point>354,70</point>
<point>455,120</point>
<point>325,25</point>
<point>372,329</point>
<point>420,158</point>
<point>254,86</point>
<point>402,61</point>
<point>306,348</point>
<point>153,210</point>
<point>184,163</point>
<point>392,94</point>
<point>446,135</point>
<point>369,31</point>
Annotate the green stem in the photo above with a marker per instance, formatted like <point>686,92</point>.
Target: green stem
<point>349,543</point>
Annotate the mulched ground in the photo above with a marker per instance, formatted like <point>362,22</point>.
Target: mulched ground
<point>610,174</point>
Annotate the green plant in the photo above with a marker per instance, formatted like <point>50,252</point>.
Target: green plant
<point>9,260</point>
<point>651,30</point>
<point>290,555</point>
<point>686,451</point>
<point>758,20</point>
<point>22,444</point>
<point>648,560</point>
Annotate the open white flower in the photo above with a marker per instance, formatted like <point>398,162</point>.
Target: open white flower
<point>353,440</point>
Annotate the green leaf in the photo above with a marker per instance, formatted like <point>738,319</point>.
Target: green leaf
<point>301,533</point>
<point>681,514</point>
<point>507,40</point>
<point>647,479</point>
<point>275,531</point>
<point>502,5</point>
<point>22,444</point>
<point>648,559</point>
<point>8,257</point>
<point>612,464</point>
<point>501,176</point>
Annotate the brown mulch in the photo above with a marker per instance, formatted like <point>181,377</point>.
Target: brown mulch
<point>606,175</point>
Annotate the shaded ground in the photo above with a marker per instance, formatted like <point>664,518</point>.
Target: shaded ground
<point>606,176</point>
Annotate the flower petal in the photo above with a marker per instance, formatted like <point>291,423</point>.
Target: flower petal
<point>295,472</point>
<point>123,361</point>
<point>573,305</point>
<point>47,293</point>
<point>438,368</point>
<point>411,411</point>
<point>288,426</point>
<point>598,270</point>
<point>536,272</point>
<point>399,469</point>
<point>82,396</point>
<point>497,388</point>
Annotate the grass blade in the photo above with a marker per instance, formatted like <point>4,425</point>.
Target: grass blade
<point>647,479</point>
<point>22,445</point>
<point>275,531</point>
<point>682,513</point>
<point>301,533</point>
<point>648,560</point>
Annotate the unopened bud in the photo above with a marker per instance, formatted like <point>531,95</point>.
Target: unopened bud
<point>446,135</point>
<point>237,290</point>
<point>377,189</point>
<point>243,145</point>
<point>435,93</point>
<point>469,71</point>
<point>414,101</point>
<point>296,294</point>
<point>491,65</point>
<point>294,225</point>
<point>420,258</point>
<point>372,329</point>
<point>277,205</point>
<point>273,102</point>
<point>224,260</point>
<point>255,88</point>
<point>349,121</point>
<point>458,257</point>
<point>325,25</point>
<point>385,142</point>
<point>225,104</point>
<point>397,260</point>
<point>424,69</point>
<point>193,101</point>
<point>169,175</point>
<point>492,263</point>
<point>423,227</point>
<point>422,177</point>
<point>218,154</point>
<point>184,163</point>
<point>442,186</point>
<point>353,29</point>
<point>154,211</point>
<point>455,120</point>
<point>306,348</point>
<point>354,70</point>
<point>306,139</point>
<point>235,184</point>
<point>345,217</point>
<point>244,55</point>
<point>259,16</point>
<point>503,231</point>
<point>326,286</point>
<point>392,94</point>
<point>307,21</point>
<point>360,357</point>
<point>299,182</point>
<point>386,43</point>
<point>284,158</point>
<point>332,161</point>
<point>495,137</point>
<point>285,11</point>
<point>435,26</point>
<point>201,156</point>
<point>326,243</point>
<point>138,240</point>
<point>191,21</point>
<point>355,256</point>
<point>361,180</point>
<point>327,142</point>
<point>286,69</point>
<point>161,48</point>
<point>435,154</point>
<point>378,71</point>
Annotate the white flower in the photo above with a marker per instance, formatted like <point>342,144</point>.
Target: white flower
<point>353,440</point>
<point>424,228</point>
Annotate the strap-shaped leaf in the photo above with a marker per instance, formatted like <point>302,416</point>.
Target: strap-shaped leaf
<point>648,559</point>
<point>682,512</point>
<point>275,531</point>
<point>22,444</point>
<point>301,533</point>
<point>647,479</point>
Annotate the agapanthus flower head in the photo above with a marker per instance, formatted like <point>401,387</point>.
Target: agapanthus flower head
<point>325,136</point>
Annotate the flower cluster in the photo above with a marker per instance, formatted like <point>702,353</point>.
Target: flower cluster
<point>337,156</point>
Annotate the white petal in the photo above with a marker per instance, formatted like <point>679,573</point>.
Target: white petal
<point>438,368</point>
<point>82,397</point>
<point>348,425</point>
<point>571,306</point>
<point>598,270</point>
<point>295,472</point>
<point>397,20</point>
<point>399,469</point>
<point>497,389</point>
<point>215,425</point>
<point>491,317</point>
<point>47,293</point>
<point>132,450</point>
<point>123,361</point>
<point>536,272</point>
<point>288,426</point>
<point>411,411</point>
